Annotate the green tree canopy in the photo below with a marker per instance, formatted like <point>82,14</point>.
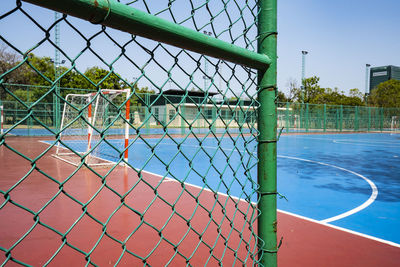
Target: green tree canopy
<point>39,73</point>
<point>281,97</point>
<point>386,94</point>
<point>313,93</point>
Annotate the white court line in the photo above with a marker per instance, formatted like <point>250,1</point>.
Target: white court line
<point>342,229</point>
<point>370,200</point>
<point>168,179</point>
<point>366,142</point>
<point>364,205</point>
<point>325,222</point>
<point>379,144</point>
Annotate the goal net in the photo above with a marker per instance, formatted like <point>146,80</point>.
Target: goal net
<point>95,128</point>
<point>395,125</point>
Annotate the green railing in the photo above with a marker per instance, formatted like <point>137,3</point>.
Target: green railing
<point>294,117</point>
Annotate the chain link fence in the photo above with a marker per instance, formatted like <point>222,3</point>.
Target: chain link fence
<point>294,117</point>
<point>297,117</point>
<point>179,183</point>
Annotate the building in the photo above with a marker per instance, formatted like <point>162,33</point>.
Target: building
<point>382,74</point>
<point>195,109</point>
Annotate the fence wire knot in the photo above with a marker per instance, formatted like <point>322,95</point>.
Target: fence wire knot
<point>106,16</point>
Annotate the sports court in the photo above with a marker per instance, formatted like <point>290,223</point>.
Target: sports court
<point>330,195</point>
<point>348,180</point>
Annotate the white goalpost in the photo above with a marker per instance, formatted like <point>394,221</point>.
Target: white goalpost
<point>94,128</point>
<point>395,125</point>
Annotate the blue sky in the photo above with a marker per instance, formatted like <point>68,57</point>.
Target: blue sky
<point>341,37</point>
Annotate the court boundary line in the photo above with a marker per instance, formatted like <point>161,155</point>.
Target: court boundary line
<point>344,142</point>
<point>357,209</point>
<point>322,222</point>
<point>387,242</point>
<point>364,205</point>
<point>109,162</point>
<point>362,142</point>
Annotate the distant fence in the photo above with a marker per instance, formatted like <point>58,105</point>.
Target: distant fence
<point>151,111</point>
<point>327,118</point>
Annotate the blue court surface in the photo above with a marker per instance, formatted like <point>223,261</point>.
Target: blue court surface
<point>347,180</point>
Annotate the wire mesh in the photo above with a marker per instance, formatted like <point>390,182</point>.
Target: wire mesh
<point>186,195</point>
<point>298,117</point>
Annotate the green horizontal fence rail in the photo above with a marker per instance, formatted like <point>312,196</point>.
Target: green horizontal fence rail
<point>125,18</point>
<point>117,90</point>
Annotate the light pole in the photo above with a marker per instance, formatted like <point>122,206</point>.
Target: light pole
<point>303,73</point>
<point>366,82</point>
<point>56,100</point>
<point>205,77</point>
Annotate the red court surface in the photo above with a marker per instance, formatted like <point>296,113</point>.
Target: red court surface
<point>133,219</point>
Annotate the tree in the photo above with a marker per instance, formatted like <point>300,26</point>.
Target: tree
<point>39,74</point>
<point>355,92</point>
<point>103,78</point>
<point>292,89</point>
<point>314,94</point>
<point>310,90</point>
<point>39,70</point>
<point>386,94</point>
<point>9,60</point>
<point>356,98</point>
<point>281,97</point>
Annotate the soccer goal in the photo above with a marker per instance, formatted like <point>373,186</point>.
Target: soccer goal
<point>95,128</point>
<point>395,125</point>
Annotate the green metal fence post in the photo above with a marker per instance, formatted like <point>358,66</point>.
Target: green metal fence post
<point>147,112</point>
<point>307,117</point>
<point>267,123</point>
<point>356,119</point>
<point>29,120</point>
<point>183,117</point>
<point>369,118</point>
<point>324,117</point>
<point>381,118</point>
<point>214,119</point>
<point>341,118</point>
<point>301,115</point>
<point>287,117</point>
<point>15,112</point>
<point>337,119</point>
<point>241,113</point>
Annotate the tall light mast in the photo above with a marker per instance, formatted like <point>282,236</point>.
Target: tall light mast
<point>303,73</point>
<point>56,100</point>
